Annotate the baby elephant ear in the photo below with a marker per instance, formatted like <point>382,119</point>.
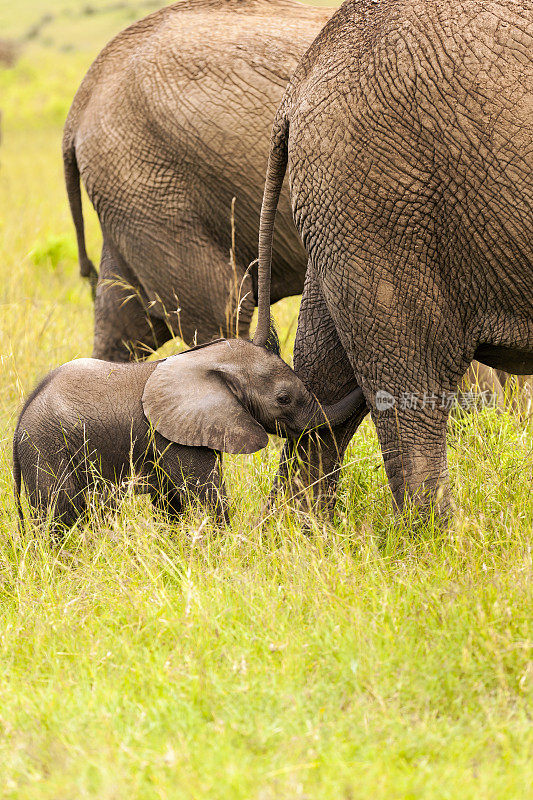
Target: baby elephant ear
<point>189,401</point>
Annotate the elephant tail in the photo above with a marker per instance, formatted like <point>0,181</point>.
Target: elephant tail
<point>277,166</point>
<point>72,182</point>
<point>17,481</point>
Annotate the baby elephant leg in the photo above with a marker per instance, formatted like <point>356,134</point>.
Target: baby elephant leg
<point>169,503</point>
<point>56,494</point>
<point>212,493</point>
<point>185,475</point>
<point>206,484</point>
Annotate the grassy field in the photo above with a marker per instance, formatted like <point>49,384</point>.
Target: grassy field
<point>259,662</point>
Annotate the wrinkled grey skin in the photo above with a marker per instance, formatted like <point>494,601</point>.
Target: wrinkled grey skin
<point>166,423</point>
<point>408,133</point>
<point>171,123</point>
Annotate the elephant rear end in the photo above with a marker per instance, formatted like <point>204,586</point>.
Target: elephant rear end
<point>409,142</point>
<point>41,458</point>
<point>79,429</point>
<point>166,132</point>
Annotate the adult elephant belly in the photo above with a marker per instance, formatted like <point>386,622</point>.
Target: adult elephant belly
<point>511,359</point>
<point>170,133</point>
<point>409,153</point>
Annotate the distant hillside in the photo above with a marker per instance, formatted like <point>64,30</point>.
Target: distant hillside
<point>48,46</point>
<point>71,24</point>
<point>78,24</point>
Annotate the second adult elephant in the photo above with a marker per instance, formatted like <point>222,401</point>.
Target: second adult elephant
<point>408,135</point>
<point>171,123</point>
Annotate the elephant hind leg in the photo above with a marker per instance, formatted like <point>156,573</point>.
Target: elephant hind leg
<point>123,328</point>
<point>221,300</point>
<point>519,391</point>
<point>413,444</point>
<point>57,496</point>
<point>309,468</point>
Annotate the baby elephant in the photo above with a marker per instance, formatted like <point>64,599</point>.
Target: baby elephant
<point>90,424</point>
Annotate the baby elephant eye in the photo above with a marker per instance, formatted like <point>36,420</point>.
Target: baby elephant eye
<point>284,399</point>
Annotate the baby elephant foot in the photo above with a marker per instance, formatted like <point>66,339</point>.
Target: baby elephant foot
<point>169,505</point>
<point>173,504</point>
<point>215,499</point>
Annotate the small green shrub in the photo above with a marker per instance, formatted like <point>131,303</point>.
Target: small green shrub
<point>53,251</point>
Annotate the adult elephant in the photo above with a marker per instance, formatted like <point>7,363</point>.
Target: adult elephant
<point>171,123</point>
<point>408,133</point>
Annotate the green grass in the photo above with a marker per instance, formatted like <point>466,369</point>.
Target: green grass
<point>139,661</point>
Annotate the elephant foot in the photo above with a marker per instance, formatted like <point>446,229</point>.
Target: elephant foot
<point>413,444</point>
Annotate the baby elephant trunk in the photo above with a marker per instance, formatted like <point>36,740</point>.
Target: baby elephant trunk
<point>337,413</point>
